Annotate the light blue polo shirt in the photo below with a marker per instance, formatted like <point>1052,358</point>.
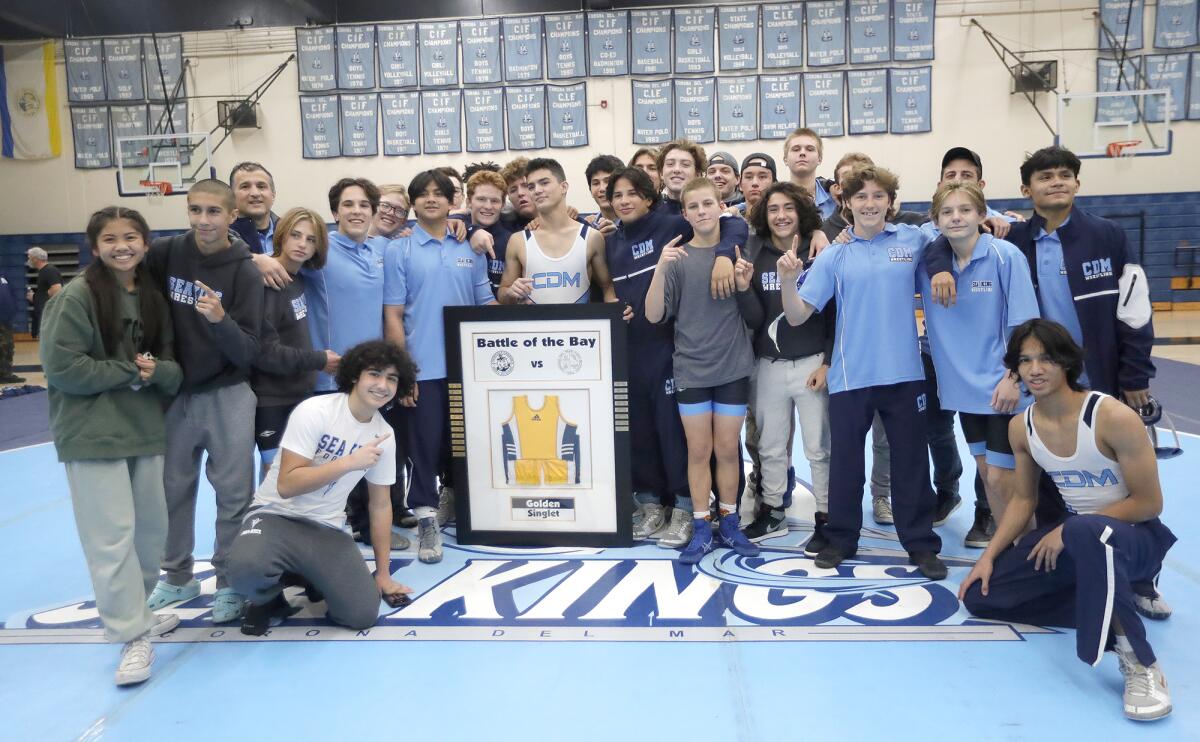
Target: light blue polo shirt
<point>825,203</point>
<point>345,298</point>
<point>873,282</point>
<point>969,339</point>
<point>266,240</point>
<point>424,275</point>
<point>1057,301</point>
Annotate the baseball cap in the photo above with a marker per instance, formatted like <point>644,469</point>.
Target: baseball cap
<point>760,159</point>
<point>723,158</point>
<point>962,153</point>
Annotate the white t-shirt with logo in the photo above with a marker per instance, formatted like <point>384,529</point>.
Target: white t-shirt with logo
<point>323,429</point>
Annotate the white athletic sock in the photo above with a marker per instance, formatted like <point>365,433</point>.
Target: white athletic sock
<point>425,512</point>
<point>728,508</point>
<point>1123,645</point>
<point>701,514</point>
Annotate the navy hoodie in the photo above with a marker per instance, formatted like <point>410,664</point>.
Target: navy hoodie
<point>285,370</point>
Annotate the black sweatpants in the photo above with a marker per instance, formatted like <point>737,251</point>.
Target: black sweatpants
<point>658,448</point>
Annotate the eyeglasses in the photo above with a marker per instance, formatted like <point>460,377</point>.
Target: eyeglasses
<point>386,208</point>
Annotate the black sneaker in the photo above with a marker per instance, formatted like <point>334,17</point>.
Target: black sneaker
<point>12,379</point>
<point>831,556</point>
<point>768,523</point>
<point>929,564</point>
<point>946,505</point>
<point>818,540</point>
<point>981,531</point>
<point>258,619</point>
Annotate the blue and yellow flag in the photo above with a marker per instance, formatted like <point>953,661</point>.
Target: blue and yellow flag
<point>29,102</point>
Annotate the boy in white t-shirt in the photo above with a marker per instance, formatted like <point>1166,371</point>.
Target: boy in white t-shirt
<point>293,532</point>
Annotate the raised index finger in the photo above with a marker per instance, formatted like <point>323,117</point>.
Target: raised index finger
<point>205,288</point>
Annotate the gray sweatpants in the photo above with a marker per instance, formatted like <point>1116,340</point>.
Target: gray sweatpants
<point>270,545</point>
<point>881,460</point>
<point>121,517</point>
<point>221,422</point>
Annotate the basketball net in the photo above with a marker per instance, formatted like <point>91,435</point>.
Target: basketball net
<point>156,191</point>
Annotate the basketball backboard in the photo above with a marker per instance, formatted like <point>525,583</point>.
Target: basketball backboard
<point>166,164</point>
<point>1123,123</point>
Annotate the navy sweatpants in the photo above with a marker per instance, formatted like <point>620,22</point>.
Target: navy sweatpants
<point>425,436</point>
<point>656,442</point>
<point>902,410</point>
<point>1089,587</point>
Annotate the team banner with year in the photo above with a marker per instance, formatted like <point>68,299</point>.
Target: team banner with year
<point>1166,71</point>
<point>867,101</point>
<point>164,66</point>
<point>1121,24</point>
<point>397,47</point>
<point>694,109</point>
<point>484,114</point>
<point>912,31</point>
<point>360,124</point>
<point>652,115</point>
<point>737,37</point>
<point>526,106</point>
<point>694,48</point>
<point>782,35</point>
<point>779,108</point>
<point>566,50</point>
<point>539,425</point>
<point>319,133</point>
<point>523,48</point>
<point>911,98</point>
<point>568,115</point>
<point>356,57</point>
<point>737,108</point>
<point>438,53</point>
<point>481,51</point>
<point>401,123</point>
<point>824,102</point>
<point>826,33</point>
<point>89,130</point>
<point>651,32</point>
<point>123,69</point>
<point>316,59</point>
<point>870,31</point>
<point>130,121</point>
<point>441,121</point>
<point>1111,77</point>
<point>608,43</point>
<point>85,70</point>
<point>1175,24</point>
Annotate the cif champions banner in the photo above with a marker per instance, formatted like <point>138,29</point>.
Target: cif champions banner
<point>29,116</point>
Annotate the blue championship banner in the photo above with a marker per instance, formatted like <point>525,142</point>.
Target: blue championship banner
<point>782,35</point>
<point>164,66</point>
<point>1193,108</point>
<point>89,130</point>
<point>911,97</point>
<point>481,51</point>
<point>652,115</point>
<point>176,122</point>
<point>319,137</point>
<point>1175,24</point>
<point>483,111</point>
<point>870,31</point>
<point>737,108</point>
<point>651,34</point>
<point>356,57</point>
<point>123,69</point>
<point>694,109</point>
<point>779,105</point>
<point>441,121</point>
<point>694,45</point>
<point>526,106</point>
<point>1122,19</point>
<point>568,115</point>
<point>566,48</point>
<point>1166,71</point>
<point>85,71</point>
<point>826,33</point>
<point>130,121</point>
<point>401,114</point>
<point>912,31</point>
<point>824,101</point>
<point>316,59</point>
<point>397,47</point>
<point>608,43</point>
<point>867,101</point>
<point>737,37</point>
<point>438,53</point>
<point>360,124</point>
<point>1111,77</point>
<point>523,48</point>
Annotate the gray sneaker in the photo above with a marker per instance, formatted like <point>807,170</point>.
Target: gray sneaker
<point>653,517</point>
<point>445,512</point>
<point>430,549</point>
<point>136,659</point>
<point>163,622</point>
<point>881,509</point>
<point>1153,608</point>
<point>1146,696</point>
<point>679,530</point>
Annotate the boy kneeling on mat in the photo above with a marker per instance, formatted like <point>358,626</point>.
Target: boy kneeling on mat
<point>293,533</point>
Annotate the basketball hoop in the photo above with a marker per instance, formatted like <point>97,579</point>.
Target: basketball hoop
<point>1123,148</point>
<point>156,190</point>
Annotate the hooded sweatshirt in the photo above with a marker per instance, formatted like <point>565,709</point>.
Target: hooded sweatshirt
<point>285,370</point>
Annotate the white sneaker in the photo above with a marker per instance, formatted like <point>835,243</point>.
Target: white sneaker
<point>1146,696</point>
<point>1155,609</point>
<point>136,659</point>
<point>679,530</point>
<point>653,517</point>
<point>163,622</point>
<point>881,509</point>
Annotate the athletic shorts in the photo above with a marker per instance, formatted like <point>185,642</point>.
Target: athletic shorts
<point>269,423</point>
<point>987,435</point>
<point>727,399</point>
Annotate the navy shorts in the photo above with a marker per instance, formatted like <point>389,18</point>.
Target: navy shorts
<point>726,399</point>
<point>987,435</point>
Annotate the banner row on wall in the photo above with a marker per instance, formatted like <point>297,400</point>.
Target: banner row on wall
<point>97,129</point>
<point>123,69</point>
<point>693,40</point>
<point>1179,73</point>
<point>1176,24</point>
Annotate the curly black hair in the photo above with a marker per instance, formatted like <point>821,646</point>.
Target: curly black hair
<point>808,217</point>
<point>378,355</point>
